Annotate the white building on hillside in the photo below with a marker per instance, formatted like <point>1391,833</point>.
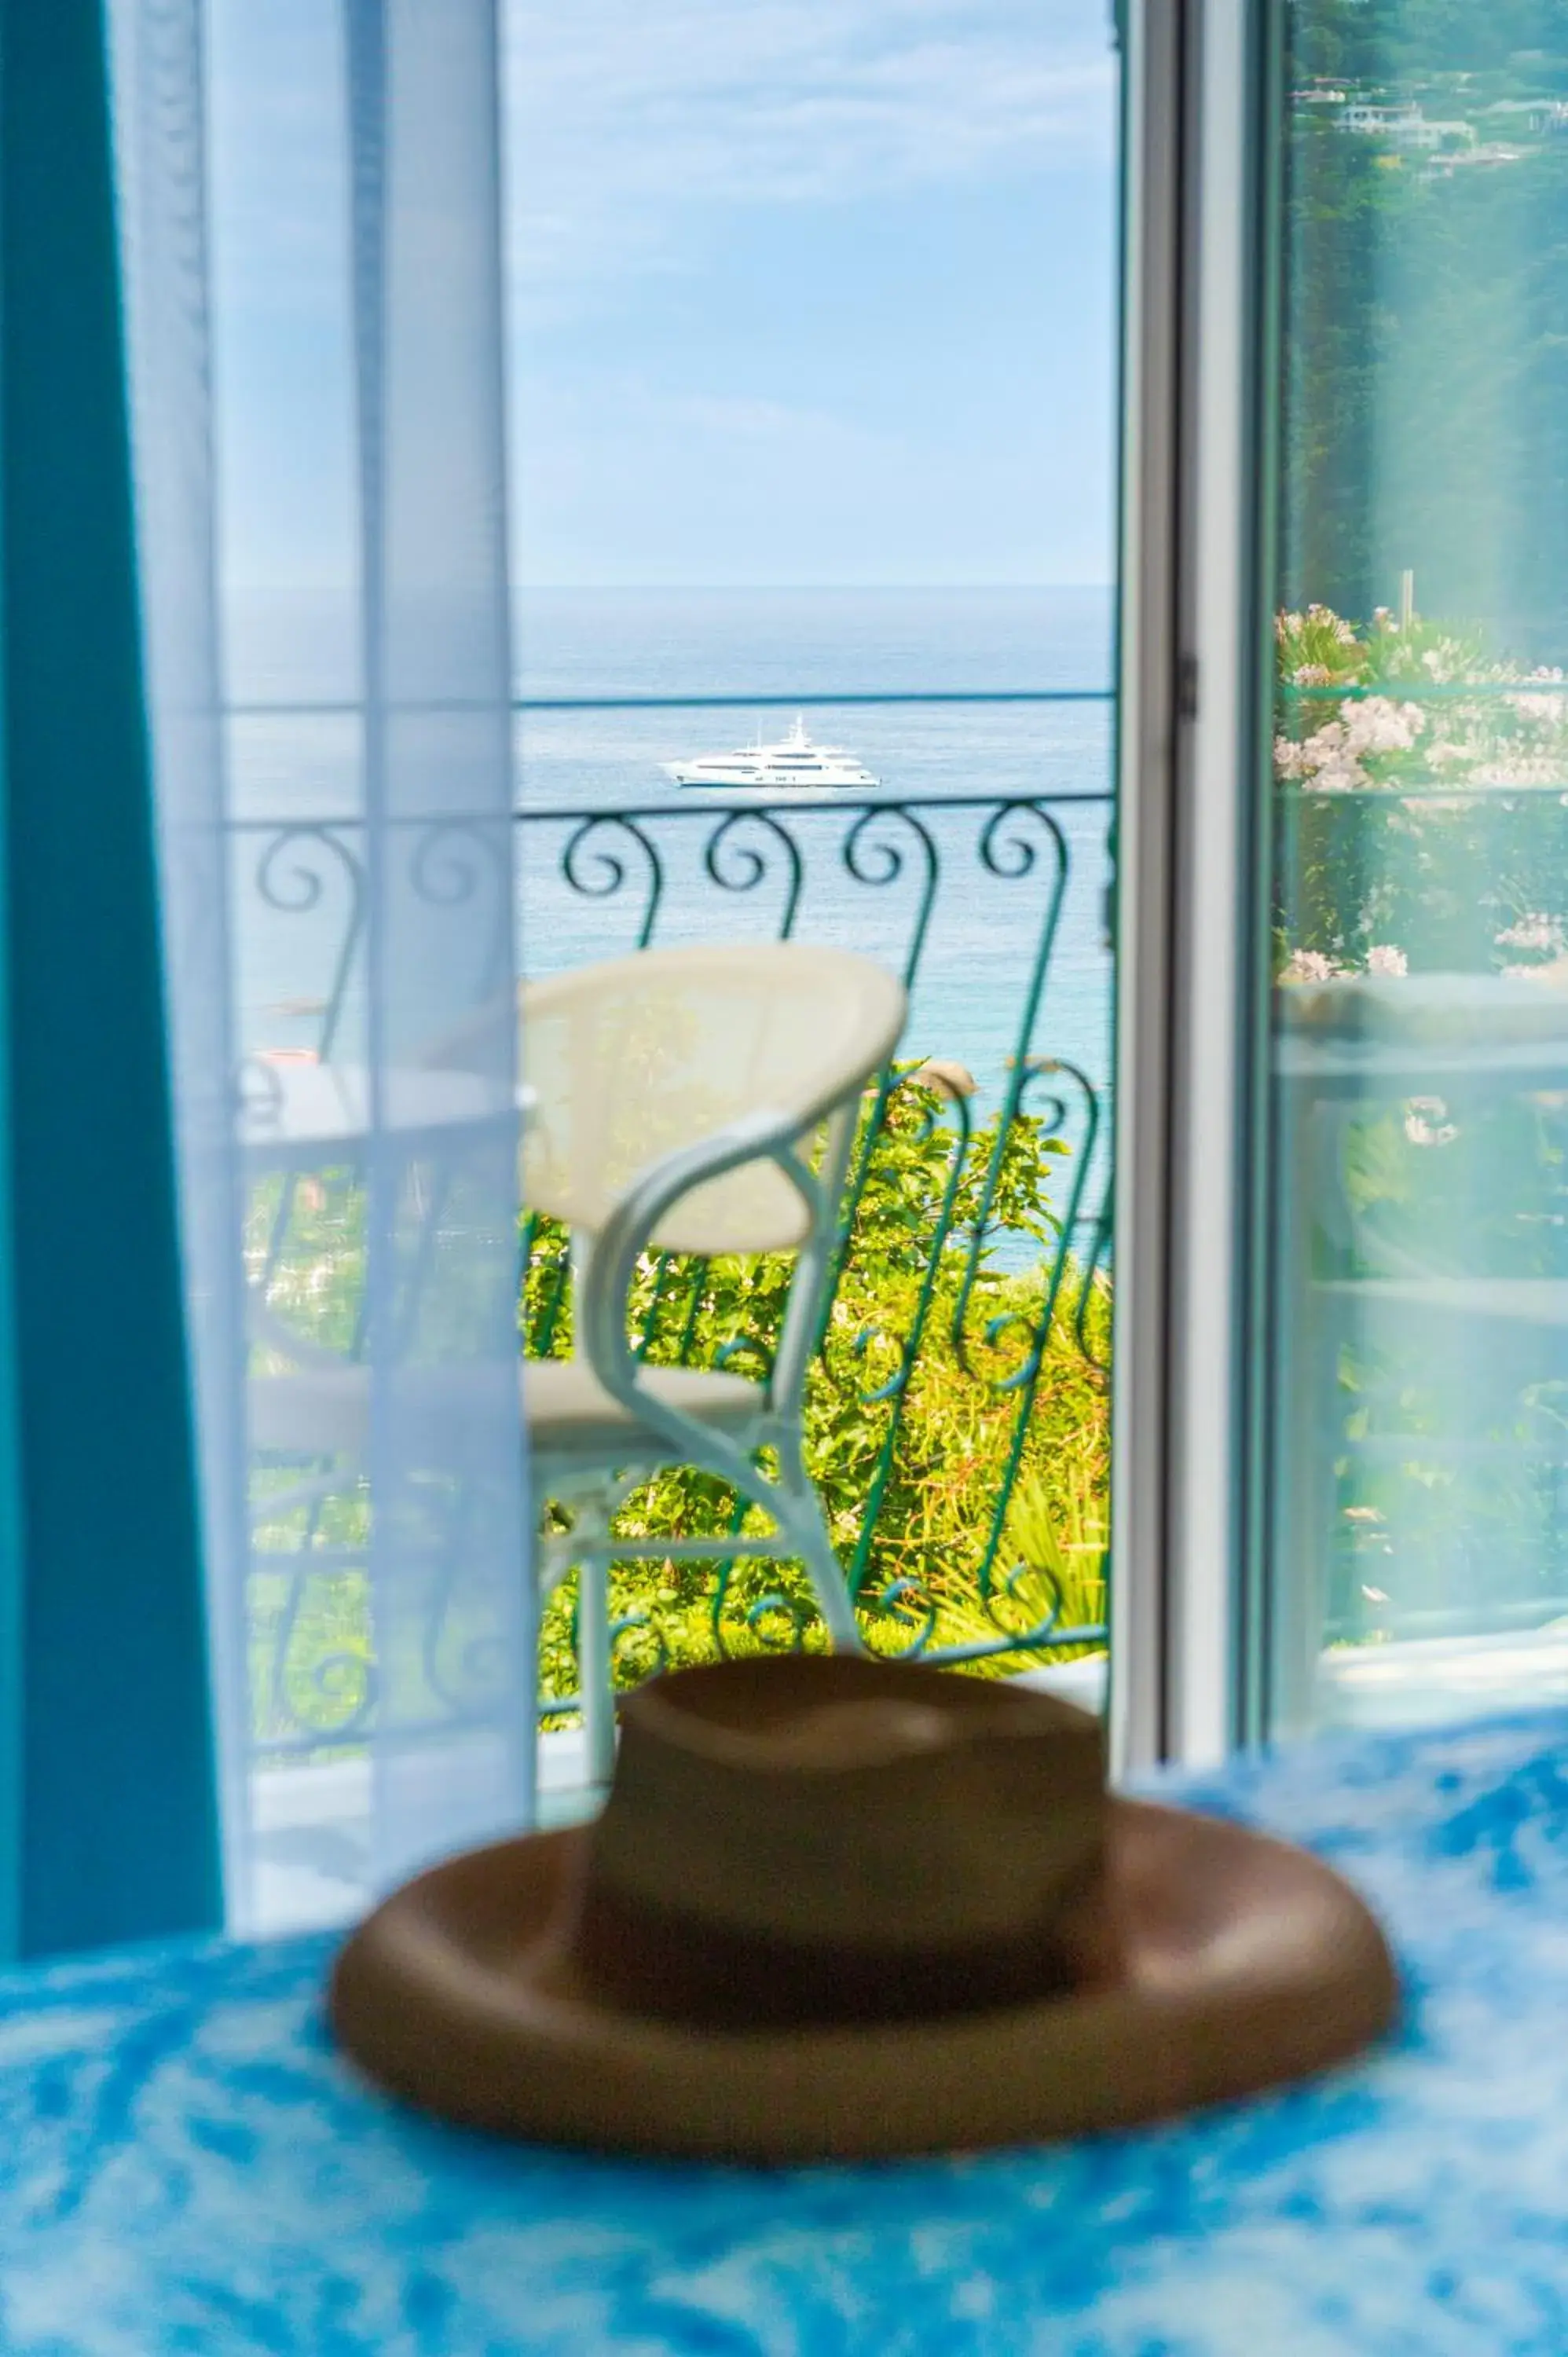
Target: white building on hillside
<point>1405,126</point>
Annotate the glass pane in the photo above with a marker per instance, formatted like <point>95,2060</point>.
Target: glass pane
<point>1420,948</point>
<point>814,465</point>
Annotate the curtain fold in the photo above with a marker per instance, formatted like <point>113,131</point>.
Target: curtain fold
<point>161,161</point>
<point>349,1197</point>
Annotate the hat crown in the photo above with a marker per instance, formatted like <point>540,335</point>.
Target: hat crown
<point>825,1834</point>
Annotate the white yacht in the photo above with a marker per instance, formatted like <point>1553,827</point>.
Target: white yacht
<point>793,762</point>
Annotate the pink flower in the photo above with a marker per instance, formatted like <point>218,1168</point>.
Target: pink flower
<point>1536,931</point>
<point>1311,965</point>
<point>1426,1122</point>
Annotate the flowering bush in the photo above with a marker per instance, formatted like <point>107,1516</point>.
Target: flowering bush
<point>1416,778</point>
<point>1462,725</point>
<point>1313,965</point>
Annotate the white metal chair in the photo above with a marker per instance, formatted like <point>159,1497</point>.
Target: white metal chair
<point>697,1101</point>
<point>693,1101</point>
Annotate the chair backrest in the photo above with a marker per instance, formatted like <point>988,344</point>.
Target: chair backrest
<point>629,1060</point>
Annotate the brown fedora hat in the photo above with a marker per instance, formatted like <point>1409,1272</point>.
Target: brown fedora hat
<point>837,1908</point>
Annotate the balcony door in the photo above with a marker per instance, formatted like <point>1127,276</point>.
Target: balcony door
<point>1346,1031</point>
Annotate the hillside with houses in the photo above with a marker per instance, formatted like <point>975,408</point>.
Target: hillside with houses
<point>1473,131</point>
<point>1426,311</point>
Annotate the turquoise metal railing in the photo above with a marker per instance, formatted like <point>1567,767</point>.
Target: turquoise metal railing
<point>970,1308</point>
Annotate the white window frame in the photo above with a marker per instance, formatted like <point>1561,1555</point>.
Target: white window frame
<point>1188,1373</point>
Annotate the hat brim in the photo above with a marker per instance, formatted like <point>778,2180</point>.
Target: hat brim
<point>1239,1963</point>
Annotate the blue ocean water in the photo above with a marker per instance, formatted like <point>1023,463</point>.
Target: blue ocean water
<point>980,909</point>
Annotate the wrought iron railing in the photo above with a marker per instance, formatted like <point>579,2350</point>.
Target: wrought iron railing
<point>957,1417</point>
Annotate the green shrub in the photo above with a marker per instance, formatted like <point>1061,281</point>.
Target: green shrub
<point>956,1424</point>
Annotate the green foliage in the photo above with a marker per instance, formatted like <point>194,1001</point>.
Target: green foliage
<point>956,1423</point>
<point>1420,821</point>
<point>945,1376</point>
<point>1425,316</point>
<point>1421,828</point>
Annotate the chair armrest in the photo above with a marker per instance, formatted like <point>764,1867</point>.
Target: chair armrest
<point>628,1232</point>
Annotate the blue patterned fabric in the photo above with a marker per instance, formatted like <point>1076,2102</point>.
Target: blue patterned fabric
<point>186,2166</point>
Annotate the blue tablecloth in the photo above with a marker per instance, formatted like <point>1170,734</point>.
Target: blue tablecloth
<point>185,2166</point>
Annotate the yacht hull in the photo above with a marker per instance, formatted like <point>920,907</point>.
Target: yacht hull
<point>795,765</point>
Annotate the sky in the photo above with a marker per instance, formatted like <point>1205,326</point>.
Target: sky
<point>799,291</point>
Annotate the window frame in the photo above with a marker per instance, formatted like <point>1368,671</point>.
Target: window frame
<point>1191,1357</point>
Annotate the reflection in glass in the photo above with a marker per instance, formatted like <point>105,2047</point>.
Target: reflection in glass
<point>1420,947</point>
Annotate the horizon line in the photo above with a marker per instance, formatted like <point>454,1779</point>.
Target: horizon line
<point>346,588</point>
<point>947,589</point>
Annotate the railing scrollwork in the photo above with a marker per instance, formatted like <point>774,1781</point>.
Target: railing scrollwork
<point>970,1283</point>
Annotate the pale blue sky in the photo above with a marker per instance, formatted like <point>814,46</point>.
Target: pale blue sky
<point>802,291</point>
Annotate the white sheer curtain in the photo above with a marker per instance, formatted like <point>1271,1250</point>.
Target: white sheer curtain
<point>349,1154</point>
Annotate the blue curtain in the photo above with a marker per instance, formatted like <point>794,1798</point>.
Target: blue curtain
<point>108,1830</point>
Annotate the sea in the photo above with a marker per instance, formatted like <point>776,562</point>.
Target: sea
<point>907,871</point>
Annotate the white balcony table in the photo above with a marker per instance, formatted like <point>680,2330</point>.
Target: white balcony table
<point>185,2165</point>
<point>295,1113</point>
